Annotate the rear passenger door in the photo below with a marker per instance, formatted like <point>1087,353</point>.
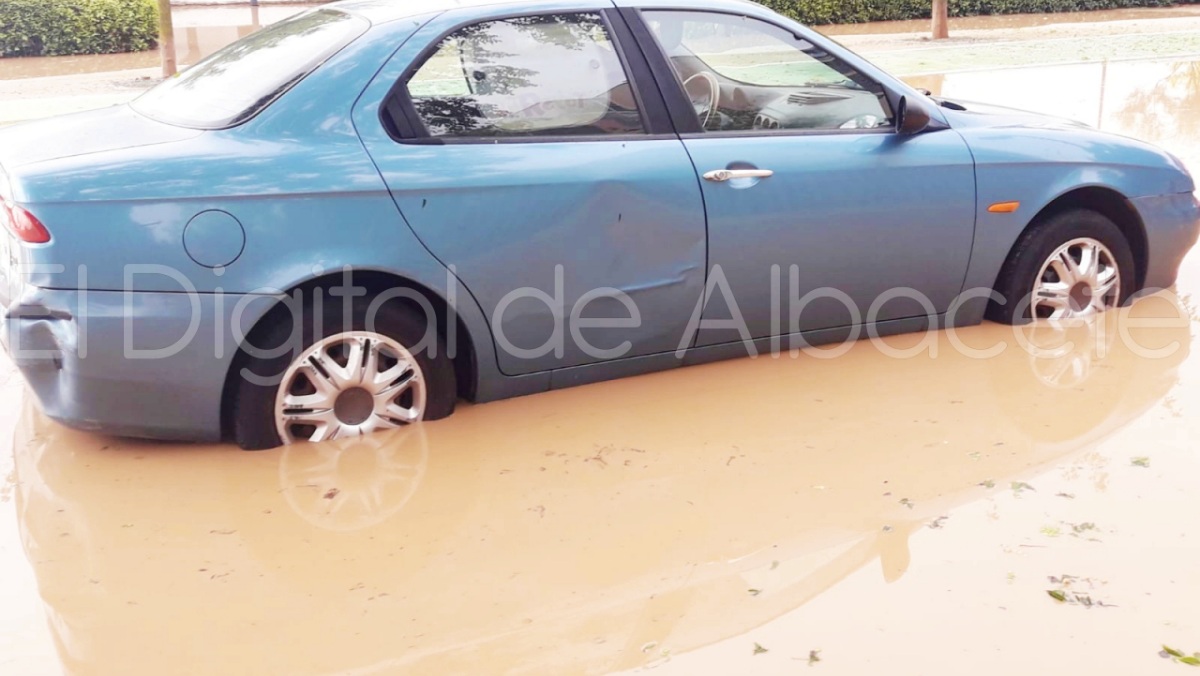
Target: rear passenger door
<point>522,153</point>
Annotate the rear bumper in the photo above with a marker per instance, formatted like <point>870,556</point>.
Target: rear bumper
<point>131,364</point>
<point>1172,226</point>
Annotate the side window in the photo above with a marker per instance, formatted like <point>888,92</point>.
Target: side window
<point>744,74</point>
<point>549,75</point>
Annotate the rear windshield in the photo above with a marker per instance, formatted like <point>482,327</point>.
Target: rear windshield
<point>232,85</point>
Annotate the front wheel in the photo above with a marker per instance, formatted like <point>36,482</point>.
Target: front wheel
<point>333,379</point>
<point>1075,264</point>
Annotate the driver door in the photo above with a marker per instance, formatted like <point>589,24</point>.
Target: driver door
<point>807,186</point>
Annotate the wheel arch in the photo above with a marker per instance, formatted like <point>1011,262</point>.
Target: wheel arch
<point>1104,200</point>
<point>465,359</point>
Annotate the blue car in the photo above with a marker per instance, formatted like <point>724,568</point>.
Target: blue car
<point>354,218</point>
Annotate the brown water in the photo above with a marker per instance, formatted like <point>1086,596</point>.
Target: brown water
<point>898,515</point>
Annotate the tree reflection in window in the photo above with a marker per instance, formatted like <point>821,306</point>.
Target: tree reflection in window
<point>555,74</point>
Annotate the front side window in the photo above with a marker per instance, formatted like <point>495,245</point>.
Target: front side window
<point>549,75</point>
<point>743,74</point>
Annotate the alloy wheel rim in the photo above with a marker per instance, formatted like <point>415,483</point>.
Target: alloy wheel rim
<point>1079,279</point>
<point>347,385</point>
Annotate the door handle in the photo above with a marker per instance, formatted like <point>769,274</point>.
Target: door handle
<point>730,174</point>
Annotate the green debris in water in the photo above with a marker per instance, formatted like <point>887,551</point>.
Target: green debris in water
<point>1140,461</point>
<point>759,649</point>
<point>1068,593</point>
<point>1174,655</point>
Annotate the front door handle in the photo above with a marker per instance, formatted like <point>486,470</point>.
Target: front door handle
<point>730,174</point>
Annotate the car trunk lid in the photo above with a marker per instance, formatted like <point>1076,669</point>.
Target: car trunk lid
<point>92,131</point>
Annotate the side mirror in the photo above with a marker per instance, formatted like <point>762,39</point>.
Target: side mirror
<point>911,119</point>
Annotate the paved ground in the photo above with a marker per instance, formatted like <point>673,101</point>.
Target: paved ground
<point>1029,513</point>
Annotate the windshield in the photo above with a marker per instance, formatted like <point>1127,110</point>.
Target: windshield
<point>234,84</point>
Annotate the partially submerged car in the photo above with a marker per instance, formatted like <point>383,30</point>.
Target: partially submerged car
<point>355,217</point>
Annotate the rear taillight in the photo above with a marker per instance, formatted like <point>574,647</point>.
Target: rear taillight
<point>23,224</point>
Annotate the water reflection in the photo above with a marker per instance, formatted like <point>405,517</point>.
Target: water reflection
<point>355,483</point>
<point>1166,107</point>
<point>1154,101</point>
<point>593,529</point>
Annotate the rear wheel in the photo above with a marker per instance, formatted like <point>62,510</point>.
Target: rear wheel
<point>334,380</point>
<point>1075,264</point>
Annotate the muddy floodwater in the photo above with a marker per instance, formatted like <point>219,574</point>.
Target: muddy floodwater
<point>904,508</point>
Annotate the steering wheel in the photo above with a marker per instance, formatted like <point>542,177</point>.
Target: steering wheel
<point>714,96</point>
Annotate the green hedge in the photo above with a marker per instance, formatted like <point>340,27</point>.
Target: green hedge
<point>855,11</point>
<point>55,27</point>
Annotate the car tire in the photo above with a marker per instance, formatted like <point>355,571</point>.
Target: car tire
<point>255,417</point>
<point>1032,252</point>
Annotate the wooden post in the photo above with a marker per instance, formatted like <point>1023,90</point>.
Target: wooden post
<point>941,19</point>
<point>166,38</point>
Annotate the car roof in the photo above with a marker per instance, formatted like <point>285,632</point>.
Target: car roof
<point>382,11</point>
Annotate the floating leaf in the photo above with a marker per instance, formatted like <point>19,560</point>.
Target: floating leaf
<point>987,483</point>
<point>1051,531</point>
<point>759,649</point>
<point>1171,651</point>
<point>1190,659</point>
<point>814,656</point>
<point>1057,595</point>
<point>1019,486</point>
<point>1069,496</point>
<point>1140,461</point>
<point>754,592</point>
<point>906,502</point>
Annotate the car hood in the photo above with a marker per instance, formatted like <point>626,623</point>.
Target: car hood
<point>999,135</point>
<point>960,113</point>
<point>93,131</point>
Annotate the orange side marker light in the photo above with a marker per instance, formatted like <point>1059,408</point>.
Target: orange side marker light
<point>1004,207</point>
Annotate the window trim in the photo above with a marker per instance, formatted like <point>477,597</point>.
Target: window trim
<point>400,119</point>
<point>677,100</point>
